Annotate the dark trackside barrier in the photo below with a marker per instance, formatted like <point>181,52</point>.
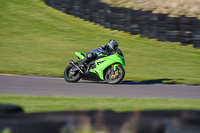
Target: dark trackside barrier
<point>9,108</point>
<point>149,25</point>
<point>163,121</point>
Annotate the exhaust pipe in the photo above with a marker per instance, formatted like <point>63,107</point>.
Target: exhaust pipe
<point>71,62</point>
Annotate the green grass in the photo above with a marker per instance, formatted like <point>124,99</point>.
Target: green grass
<point>38,40</point>
<point>61,103</point>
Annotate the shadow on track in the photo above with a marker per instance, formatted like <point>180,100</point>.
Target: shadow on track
<point>155,81</point>
<point>128,82</point>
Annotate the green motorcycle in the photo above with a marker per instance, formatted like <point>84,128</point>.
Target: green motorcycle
<point>104,67</point>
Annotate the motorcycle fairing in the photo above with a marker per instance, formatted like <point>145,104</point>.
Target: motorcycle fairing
<point>103,63</point>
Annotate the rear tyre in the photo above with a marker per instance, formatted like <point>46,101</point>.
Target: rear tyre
<point>116,77</point>
<point>70,76</point>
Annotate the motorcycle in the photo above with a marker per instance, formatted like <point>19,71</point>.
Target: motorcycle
<point>107,68</point>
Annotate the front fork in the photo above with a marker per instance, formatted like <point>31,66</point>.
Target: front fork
<point>114,73</point>
<point>114,66</point>
<point>112,70</point>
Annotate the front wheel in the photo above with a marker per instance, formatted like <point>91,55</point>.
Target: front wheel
<point>71,76</point>
<point>114,77</point>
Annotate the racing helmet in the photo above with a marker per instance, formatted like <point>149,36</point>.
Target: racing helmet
<point>113,45</point>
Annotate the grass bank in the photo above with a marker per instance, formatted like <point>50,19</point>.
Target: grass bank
<point>38,40</point>
<point>61,103</point>
<point>175,8</point>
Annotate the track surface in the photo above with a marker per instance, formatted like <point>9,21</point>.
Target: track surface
<point>51,86</point>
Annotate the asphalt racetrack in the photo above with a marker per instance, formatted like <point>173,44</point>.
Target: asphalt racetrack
<point>52,86</point>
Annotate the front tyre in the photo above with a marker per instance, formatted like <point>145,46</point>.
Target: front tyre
<point>114,77</point>
<point>71,76</point>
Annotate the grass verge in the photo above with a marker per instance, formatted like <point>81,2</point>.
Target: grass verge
<point>61,103</point>
<point>38,40</point>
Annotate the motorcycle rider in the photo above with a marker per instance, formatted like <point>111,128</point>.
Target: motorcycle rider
<point>102,50</point>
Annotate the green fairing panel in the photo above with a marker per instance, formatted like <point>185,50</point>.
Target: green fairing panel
<point>113,59</point>
<point>80,55</point>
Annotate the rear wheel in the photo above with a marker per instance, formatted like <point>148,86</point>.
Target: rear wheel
<point>71,76</point>
<point>114,77</point>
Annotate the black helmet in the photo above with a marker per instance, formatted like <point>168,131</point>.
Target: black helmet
<point>113,45</point>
